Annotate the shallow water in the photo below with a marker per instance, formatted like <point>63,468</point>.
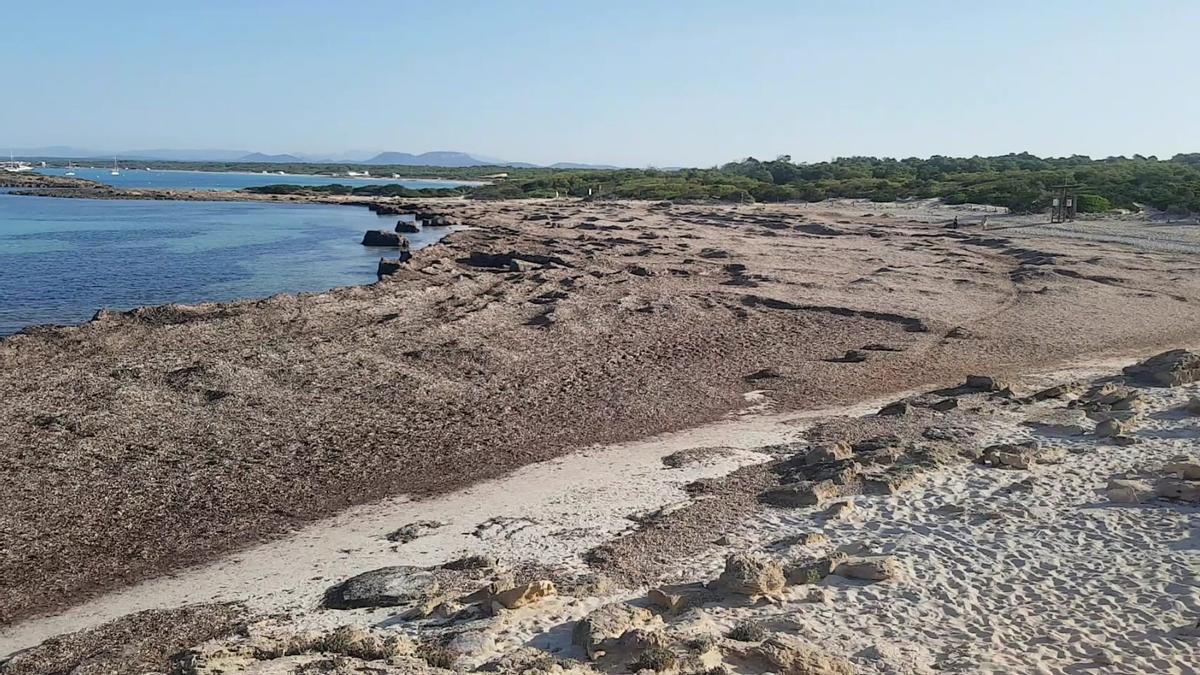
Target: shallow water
<point>230,180</point>
<point>63,259</point>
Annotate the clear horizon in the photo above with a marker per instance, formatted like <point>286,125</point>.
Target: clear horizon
<point>671,84</point>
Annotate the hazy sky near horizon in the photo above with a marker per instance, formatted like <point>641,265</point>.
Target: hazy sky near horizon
<point>629,82</point>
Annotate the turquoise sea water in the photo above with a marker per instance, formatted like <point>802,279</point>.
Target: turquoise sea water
<point>63,259</point>
<point>224,180</point>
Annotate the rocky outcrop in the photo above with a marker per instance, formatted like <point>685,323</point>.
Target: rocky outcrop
<point>1009,455</point>
<point>896,409</point>
<point>511,261</point>
<point>396,586</point>
<point>984,383</point>
<point>800,494</point>
<point>599,631</point>
<point>523,594</point>
<point>679,598</point>
<point>1111,428</point>
<point>788,656</point>
<point>829,452</point>
<point>1128,491</point>
<point>408,226</point>
<point>869,568</point>
<point>813,570</point>
<point>267,648</point>
<point>384,238</point>
<point>1182,468</point>
<point>1178,489</point>
<point>1168,369</point>
<point>751,575</point>
<point>389,266</point>
<point>438,220</point>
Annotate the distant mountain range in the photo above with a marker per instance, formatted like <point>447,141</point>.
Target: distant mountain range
<point>442,158</point>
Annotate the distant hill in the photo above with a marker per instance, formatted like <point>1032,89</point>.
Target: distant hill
<point>260,158</point>
<point>438,158</point>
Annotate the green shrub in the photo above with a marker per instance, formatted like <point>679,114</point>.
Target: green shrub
<point>1092,204</point>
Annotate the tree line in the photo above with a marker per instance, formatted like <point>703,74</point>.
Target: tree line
<point>1021,182</point>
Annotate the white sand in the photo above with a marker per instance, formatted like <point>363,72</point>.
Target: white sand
<point>1011,571</point>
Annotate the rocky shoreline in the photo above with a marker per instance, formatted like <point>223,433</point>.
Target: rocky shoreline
<point>546,328</point>
<point>38,185</point>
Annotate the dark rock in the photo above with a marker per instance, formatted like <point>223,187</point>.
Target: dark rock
<point>764,374</point>
<point>384,587</point>
<point>984,383</point>
<point>895,409</point>
<point>945,404</point>
<point>412,531</point>
<point>388,266</point>
<point>384,238</point>
<point>408,226</point>
<point>875,347</point>
<point>510,261</point>
<point>437,220</point>
<point>851,356</point>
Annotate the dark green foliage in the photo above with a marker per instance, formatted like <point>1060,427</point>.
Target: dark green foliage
<point>1021,182</point>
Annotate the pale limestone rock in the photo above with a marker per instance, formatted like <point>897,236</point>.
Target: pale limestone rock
<point>599,631</point>
<point>524,594</point>
<point>1169,369</point>
<point>869,568</point>
<point>1128,491</point>
<point>752,575</point>
<point>1184,469</point>
<point>800,494</point>
<point>788,656</point>
<point>814,570</point>
<point>1174,488</point>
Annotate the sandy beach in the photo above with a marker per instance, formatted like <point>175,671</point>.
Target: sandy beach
<point>598,395</point>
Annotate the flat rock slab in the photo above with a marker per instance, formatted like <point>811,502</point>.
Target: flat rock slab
<point>384,587</point>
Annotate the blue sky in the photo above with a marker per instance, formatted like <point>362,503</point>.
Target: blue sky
<point>692,82</point>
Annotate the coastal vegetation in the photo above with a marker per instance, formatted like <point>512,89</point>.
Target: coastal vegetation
<point>1021,182</point>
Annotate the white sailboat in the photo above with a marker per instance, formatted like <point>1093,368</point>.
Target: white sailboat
<point>13,166</point>
<point>70,169</point>
<point>116,171</point>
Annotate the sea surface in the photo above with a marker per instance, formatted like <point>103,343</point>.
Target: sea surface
<point>63,259</point>
<point>230,180</point>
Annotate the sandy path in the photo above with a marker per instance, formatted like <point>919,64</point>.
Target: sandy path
<point>546,512</point>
